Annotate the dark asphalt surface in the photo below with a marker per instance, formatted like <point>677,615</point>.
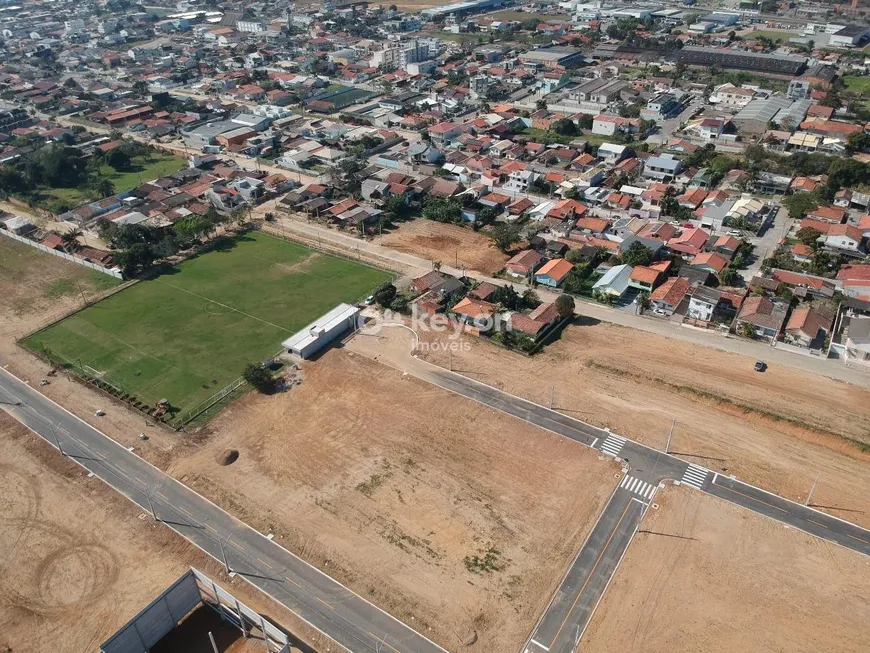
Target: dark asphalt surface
<point>322,602</point>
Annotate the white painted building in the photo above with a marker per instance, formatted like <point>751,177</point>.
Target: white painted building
<point>324,330</point>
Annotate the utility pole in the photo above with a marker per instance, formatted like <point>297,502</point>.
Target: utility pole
<point>552,395</point>
<point>670,433</point>
<point>151,506</point>
<point>812,489</point>
<point>224,553</point>
<point>57,440</point>
<point>450,359</point>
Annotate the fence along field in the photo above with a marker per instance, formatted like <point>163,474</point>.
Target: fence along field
<point>189,332</point>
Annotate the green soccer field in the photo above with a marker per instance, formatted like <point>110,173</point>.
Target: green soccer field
<point>188,333</point>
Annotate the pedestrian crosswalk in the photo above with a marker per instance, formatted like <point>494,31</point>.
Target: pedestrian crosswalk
<point>637,486</point>
<point>695,475</point>
<point>613,444</point>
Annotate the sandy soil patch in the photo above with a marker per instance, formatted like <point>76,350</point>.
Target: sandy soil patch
<point>77,560</point>
<point>776,430</point>
<point>452,245</point>
<point>453,517</point>
<point>706,575</point>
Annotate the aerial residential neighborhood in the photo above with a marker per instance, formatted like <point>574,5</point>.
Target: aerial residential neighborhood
<point>498,326</point>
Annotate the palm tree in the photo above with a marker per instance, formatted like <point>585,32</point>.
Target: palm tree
<point>104,187</point>
<point>71,239</point>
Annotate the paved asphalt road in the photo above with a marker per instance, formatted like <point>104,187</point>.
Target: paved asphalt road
<point>328,606</point>
<point>563,623</point>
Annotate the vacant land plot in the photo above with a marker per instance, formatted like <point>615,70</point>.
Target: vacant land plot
<point>78,560</point>
<point>451,244</point>
<point>779,430</point>
<point>705,575</point>
<point>456,518</point>
<point>187,333</point>
<point>857,84</point>
<point>33,283</point>
<point>772,34</point>
<point>141,169</point>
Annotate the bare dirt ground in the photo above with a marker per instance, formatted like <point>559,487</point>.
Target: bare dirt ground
<point>448,243</point>
<point>705,575</point>
<point>77,560</point>
<point>455,518</point>
<point>779,430</point>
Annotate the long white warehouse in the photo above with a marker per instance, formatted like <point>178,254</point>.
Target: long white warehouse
<point>306,342</point>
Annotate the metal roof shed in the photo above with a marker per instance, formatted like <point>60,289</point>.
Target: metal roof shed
<point>306,342</point>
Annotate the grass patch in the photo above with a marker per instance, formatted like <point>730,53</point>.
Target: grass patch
<point>546,136</point>
<point>142,169</point>
<point>489,562</point>
<point>188,333</point>
<point>522,16</point>
<point>772,34</point>
<point>857,84</point>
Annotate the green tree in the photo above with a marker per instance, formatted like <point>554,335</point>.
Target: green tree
<point>508,298</point>
<point>728,276</point>
<point>565,127</point>
<point>800,204</point>
<point>504,236</point>
<point>858,142</point>
<point>832,99</point>
<point>637,254</point>
<point>135,259</point>
<point>747,330</point>
<point>118,159</point>
<point>103,187</point>
<point>70,239</point>
<point>808,236</point>
<point>259,377</point>
<point>384,294</point>
<point>441,210</point>
<point>564,306</point>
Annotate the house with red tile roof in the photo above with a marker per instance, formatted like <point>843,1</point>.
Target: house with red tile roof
<point>524,263</point>
<point>475,312</point>
<point>713,262</point>
<point>764,315</point>
<point>855,279</point>
<point>807,327</point>
<point>536,323</point>
<point>690,242</point>
<point>667,297</point>
<point>831,214</point>
<point>643,278</point>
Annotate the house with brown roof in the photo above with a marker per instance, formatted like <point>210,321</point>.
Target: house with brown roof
<point>523,264</point>
<point>807,327</point>
<point>427,281</point>
<point>845,238</point>
<point>690,242</point>
<point>830,214</point>
<point>536,323</point>
<point>764,315</point>
<point>713,262</point>
<point>665,299</point>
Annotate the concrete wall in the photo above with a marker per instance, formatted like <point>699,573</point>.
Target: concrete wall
<point>69,257</point>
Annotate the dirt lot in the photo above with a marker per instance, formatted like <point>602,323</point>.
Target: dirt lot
<point>77,561</point>
<point>710,576</point>
<point>453,517</point>
<point>452,245</point>
<point>778,430</point>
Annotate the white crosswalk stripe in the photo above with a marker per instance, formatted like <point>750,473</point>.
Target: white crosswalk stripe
<point>695,475</point>
<point>613,444</point>
<point>637,486</point>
